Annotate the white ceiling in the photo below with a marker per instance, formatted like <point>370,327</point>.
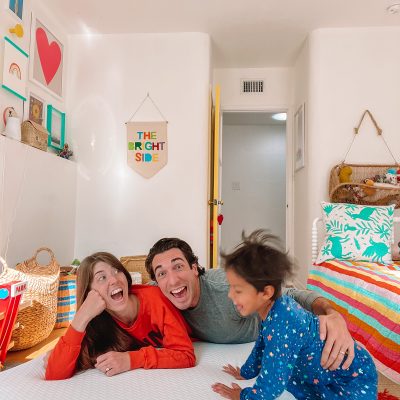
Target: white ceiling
<point>245,33</point>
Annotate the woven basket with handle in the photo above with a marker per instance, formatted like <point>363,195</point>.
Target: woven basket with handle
<point>36,322</point>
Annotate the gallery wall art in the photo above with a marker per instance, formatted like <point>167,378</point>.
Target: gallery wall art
<point>15,67</point>
<point>47,54</point>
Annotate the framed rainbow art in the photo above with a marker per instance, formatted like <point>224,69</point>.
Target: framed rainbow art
<point>15,68</point>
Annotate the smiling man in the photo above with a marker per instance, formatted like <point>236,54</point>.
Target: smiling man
<point>202,298</point>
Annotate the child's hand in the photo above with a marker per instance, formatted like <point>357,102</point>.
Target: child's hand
<point>232,393</point>
<point>234,371</point>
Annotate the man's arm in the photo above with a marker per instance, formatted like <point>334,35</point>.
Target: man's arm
<point>332,328</point>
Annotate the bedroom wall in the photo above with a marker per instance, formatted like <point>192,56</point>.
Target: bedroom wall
<point>37,189</point>
<point>343,82</point>
<point>117,209</point>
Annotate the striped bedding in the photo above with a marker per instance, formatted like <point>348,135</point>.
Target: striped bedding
<point>368,296</point>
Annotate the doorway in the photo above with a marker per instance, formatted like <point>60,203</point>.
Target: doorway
<point>253,175</point>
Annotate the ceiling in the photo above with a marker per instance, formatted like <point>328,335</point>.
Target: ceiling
<point>244,33</point>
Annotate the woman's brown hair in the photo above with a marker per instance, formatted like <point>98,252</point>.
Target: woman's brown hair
<point>102,333</point>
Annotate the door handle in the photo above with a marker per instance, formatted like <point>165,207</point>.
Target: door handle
<point>215,202</point>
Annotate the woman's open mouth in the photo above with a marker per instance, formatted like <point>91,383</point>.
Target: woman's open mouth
<point>117,294</point>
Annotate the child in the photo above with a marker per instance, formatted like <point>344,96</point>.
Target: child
<point>288,350</point>
<point>119,326</point>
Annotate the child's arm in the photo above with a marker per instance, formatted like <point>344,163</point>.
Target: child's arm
<point>252,366</point>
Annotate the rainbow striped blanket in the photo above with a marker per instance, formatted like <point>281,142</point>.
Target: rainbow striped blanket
<point>368,296</point>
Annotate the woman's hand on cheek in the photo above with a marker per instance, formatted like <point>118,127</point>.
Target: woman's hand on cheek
<point>93,305</point>
<point>113,363</point>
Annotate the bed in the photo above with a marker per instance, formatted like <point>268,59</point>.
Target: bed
<point>26,380</point>
<point>367,294</point>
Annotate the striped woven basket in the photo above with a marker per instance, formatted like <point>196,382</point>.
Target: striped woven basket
<point>37,322</point>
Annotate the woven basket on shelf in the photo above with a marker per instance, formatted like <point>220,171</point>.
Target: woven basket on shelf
<point>34,134</point>
<point>36,322</point>
<point>136,264</point>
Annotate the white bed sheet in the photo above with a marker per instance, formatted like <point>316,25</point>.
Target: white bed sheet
<point>26,382</point>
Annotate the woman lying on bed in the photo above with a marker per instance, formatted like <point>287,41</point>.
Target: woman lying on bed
<point>119,327</point>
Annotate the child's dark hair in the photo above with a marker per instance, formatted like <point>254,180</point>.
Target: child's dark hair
<point>260,260</point>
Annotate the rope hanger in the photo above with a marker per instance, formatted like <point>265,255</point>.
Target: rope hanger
<point>379,132</point>
<point>140,106</point>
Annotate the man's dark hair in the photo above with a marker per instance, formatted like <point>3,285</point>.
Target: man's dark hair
<point>259,260</point>
<point>166,244</point>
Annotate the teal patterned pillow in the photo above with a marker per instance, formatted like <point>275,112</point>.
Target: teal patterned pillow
<point>357,233</point>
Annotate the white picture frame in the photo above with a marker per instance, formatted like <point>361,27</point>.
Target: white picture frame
<point>299,138</point>
<point>15,69</point>
<point>47,64</point>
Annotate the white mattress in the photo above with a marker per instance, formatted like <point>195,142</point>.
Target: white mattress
<point>26,382</point>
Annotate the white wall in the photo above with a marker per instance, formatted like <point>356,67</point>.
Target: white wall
<point>277,84</point>
<point>302,187</point>
<point>253,156</point>
<point>350,70</point>
<point>117,209</point>
<point>37,203</point>
<point>37,189</point>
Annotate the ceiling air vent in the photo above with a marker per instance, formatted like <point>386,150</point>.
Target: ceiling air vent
<point>251,86</point>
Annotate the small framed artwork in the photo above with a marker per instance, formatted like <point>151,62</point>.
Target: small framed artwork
<point>56,128</point>
<point>16,7</point>
<point>47,53</point>
<point>36,109</point>
<point>299,138</point>
<point>15,67</point>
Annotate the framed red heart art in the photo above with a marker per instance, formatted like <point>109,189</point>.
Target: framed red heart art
<point>47,62</point>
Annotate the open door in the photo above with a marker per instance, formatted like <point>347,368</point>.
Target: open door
<point>215,201</point>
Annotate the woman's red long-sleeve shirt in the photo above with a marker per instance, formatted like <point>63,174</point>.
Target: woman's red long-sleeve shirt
<point>158,324</point>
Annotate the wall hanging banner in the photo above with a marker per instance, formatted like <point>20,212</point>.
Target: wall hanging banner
<point>147,146</point>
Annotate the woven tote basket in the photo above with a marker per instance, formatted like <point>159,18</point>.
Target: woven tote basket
<point>36,322</point>
<point>136,264</point>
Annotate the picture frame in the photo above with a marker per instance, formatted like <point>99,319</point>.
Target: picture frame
<point>46,68</point>
<point>56,127</point>
<point>15,69</point>
<point>36,109</point>
<point>299,138</point>
<point>16,8</point>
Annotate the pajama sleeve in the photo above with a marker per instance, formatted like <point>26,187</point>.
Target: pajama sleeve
<point>252,366</point>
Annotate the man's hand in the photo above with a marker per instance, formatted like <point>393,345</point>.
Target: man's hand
<point>339,343</point>
<point>234,371</point>
<point>232,393</point>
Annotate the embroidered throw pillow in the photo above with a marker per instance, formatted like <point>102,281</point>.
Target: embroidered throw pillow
<point>357,233</point>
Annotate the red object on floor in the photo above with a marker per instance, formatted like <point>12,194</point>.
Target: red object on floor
<point>385,395</point>
<point>10,296</point>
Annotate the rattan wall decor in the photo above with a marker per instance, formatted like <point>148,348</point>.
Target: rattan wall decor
<point>366,184</point>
